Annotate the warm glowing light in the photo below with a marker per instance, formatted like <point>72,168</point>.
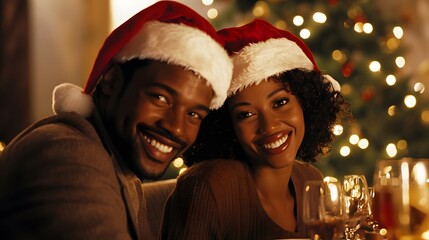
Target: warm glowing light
<point>392,43</point>
<point>358,27</point>
<point>182,170</point>
<point>319,17</point>
<point>345,151</point>
<point>346,89</point>
<point>305,33</point>
<point>391,111</point>
<point>400,62</point>
<point>207,2</point>
<point>354,139</point>
<point>298,20</point>
<point>374,66</point>
<point>391,80</point>
<point>2,146</point>
<point>391,150</point>
<point>338,129</point>
<point>419,87</point>
<point>425,116</point>
<point>383,232</point>
<point>410,101</point>
<point>122,10</point>
<point>425,235</point>
<point>363,143</point>
<point>337,55</point>
<point>212,13</point>
<point>281,24</point>
<point>420,174</point>
<point>402,144</point>
<point>367,28</point>
<point>334,191</point>
<point>178,162</point>
<point>261,8</point>
<point>398,32</point>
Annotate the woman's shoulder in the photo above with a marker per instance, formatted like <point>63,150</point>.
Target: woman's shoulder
<point>217,172</point>
<point>305,170</point>
<point>216,167</point>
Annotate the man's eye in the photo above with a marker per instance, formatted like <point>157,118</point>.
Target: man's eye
<point>280,102</point>
<point>161,98</point>
<point>196,115</point>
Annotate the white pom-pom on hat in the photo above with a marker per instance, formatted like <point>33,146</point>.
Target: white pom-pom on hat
<point>68,97</point>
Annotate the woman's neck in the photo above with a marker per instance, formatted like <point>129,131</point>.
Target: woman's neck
<point>272,186</point>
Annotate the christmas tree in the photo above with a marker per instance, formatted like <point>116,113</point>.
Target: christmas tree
<point>358,44</point>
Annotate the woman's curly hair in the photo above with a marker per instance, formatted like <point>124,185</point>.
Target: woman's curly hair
<point>322,106</point>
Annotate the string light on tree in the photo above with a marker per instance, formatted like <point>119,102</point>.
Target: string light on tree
<point>390,80</point>
<point>391,150</point>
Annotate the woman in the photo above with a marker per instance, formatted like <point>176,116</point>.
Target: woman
<point>278,117</point>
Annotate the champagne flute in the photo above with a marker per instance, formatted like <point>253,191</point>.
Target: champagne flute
<point>323,209</point>
<point>357,199</point>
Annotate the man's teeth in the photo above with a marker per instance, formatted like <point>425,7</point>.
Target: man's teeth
<point>161,147</point>
<point>276,144</point>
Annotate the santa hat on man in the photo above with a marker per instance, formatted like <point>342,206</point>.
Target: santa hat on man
<point>166,31</point>
<point>259,51</point>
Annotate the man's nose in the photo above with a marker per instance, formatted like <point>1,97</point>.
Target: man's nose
<point>174,121</point>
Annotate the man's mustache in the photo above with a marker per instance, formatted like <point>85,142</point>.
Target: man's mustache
<point>143,128</point>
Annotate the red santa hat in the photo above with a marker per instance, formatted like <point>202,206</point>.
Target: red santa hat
<point>259,51</point>
<point>166,31</point>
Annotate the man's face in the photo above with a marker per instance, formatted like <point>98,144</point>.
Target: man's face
<point>158,115</point>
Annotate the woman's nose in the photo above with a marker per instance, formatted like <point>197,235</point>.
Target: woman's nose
<point>268,123</point>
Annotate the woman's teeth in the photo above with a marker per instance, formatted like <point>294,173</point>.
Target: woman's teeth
<point>161,147</point>
<point>276,144</point>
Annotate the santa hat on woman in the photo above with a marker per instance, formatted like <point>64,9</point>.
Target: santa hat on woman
<point>166,31</point>
<point>259,51</point>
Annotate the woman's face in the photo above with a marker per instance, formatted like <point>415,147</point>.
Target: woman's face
<point>268,122</point>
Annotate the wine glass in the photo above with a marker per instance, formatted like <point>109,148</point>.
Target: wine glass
<point>323,209</point>
<point>357,199</point>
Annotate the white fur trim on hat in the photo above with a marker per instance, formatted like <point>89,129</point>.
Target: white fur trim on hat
<point>185,46</point>
<point>259,61</point>
<point>68,97</point>
<point>336,85</point>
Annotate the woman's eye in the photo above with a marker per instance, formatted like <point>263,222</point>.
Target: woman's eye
<point>244,115</point>
<point>281,102</point>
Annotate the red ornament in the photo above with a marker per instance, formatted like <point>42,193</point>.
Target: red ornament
<point>332,3</point>
<point>347,69</point>
<point>367,94</point>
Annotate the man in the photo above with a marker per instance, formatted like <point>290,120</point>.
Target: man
<point>77,175</point>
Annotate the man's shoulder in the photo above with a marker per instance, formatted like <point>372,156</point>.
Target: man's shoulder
<point>56,128</point>
<point>66,135</point>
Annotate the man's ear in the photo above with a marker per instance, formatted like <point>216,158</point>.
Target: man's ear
<point>112,81</point>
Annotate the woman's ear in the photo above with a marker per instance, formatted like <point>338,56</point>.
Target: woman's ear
<point>112,81</point>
